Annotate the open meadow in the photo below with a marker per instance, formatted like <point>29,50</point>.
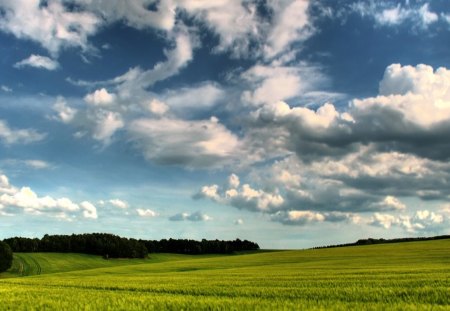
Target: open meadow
<point>404,276</point>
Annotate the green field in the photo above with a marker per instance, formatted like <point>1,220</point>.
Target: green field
<point>405,276</point>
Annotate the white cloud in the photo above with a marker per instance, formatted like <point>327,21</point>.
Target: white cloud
<point>146,212</point>
<point>38,61</point>
<point>187,143</point>
<point>298,217</point>
<point>199,97</point>
<point>100,97</point>
<point>119,203</point>
<point>136,80</point>
<point>383,220</point>
<point>106,124</point>
<point>233,181</point>
<point>235,22</point>
<point>239,222</point>
<point>30,202</point>
<point>272,84</point>
<point>5,88</point>
<point>244,197</point>
<point>290,25</point>
<point>65,113</point>
<point>421,221</point>
<point>427,16</point>
<point>157,107</point>
<point>89,210</point>
<point>37,164</point>
<point>197,216</point>
<point>420,17</point>
<point>392,16</point>
<point>49,24</point>
<point>390,203</point>
<point>21,136</point>
<point>134,13</point>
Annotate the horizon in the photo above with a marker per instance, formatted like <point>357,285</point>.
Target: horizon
<point>289,123</point>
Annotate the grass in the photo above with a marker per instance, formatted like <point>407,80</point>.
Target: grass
<point>405,276</point>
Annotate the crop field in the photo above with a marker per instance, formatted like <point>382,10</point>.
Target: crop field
<point>404,276</point>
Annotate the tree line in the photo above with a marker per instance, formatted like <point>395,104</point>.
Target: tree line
<point>113,246</point>
<point>371,241</point>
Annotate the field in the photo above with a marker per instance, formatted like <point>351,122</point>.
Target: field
<point>404,276</point>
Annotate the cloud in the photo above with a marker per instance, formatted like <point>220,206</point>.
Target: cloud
<point>32,163</point>
<point>134,13</point>
<point>387,15</point>
<point>196,144</point>
<point>106,124</point>
<point>146,213</point>
<point>15,200</point>
<point>290,24</point>
<point>244,197</point>
<point>235,22</point>
<point>30,202</point>
<point>409,116</point>
<point>197,216</point>
<point>199,98</point>
<point>38,61</point>
<point>22,136</point>
<point>37,164</point>
<point>89,210</point>
<point>239,222</point>
<point>100,97</point>
<point>157,107</point>
<point>421,221</point>
<point>6,89</point>
<point>64,113</point>
<point>119,203</point>
<point>136,79</point>
<point>50,24</point>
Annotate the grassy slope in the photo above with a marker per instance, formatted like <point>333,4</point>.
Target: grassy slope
<point>27,264</point>
<point>392,276</point>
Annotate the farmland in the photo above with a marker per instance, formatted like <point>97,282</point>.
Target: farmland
<point>405,276</point>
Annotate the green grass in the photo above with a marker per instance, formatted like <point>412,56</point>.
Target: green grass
<point>405,276</point>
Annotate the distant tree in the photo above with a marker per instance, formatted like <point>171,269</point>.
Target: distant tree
<point>6,256</point>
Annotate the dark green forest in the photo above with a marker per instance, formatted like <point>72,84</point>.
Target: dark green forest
<point>113,246</point>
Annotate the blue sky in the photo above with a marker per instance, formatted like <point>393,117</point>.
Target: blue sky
<point>291,123</point>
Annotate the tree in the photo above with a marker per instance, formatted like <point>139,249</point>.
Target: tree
<point>6,256</point>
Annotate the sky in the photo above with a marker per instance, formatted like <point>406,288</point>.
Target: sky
<point>291,123</point>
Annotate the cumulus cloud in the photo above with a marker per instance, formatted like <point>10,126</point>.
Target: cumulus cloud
<point>30,202</point>
<point>146,212</point>
<point>119,203</point>
<point>38,61</point>
<point>239,222</point>
<point>64,113</point>
<point>408,116</point>
<point>244,197</point>
<point>421,221</point>
<point>188,143</point>
<point>89,210</point>
<point>50,24</point>
<point>157,107</point>
<point>18,136</point>
<point>100,97</point>
<point>197,216</point>
<point>272,84</point>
